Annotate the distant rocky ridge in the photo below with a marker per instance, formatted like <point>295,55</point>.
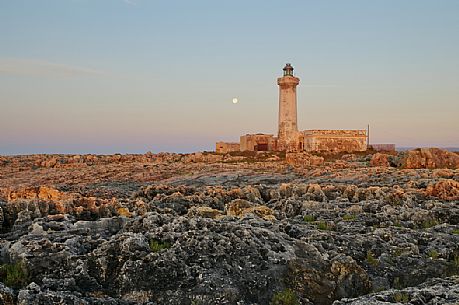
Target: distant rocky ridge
<point>230,229</point>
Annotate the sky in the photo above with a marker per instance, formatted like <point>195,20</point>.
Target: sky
<point>130,76</point>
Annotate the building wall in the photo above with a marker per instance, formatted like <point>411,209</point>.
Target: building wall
<point>335,140</point>
<point>258,142</point>
<point>226,147</point>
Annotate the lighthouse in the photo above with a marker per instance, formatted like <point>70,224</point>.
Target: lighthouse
<point>288,135</point>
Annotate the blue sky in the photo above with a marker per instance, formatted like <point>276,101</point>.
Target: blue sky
<point>106,76</point>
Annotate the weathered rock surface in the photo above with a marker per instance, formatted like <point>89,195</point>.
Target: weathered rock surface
<point>304,159</point>
<point>429,158</point>
<point>437,291</point>
<point>444,189</point>
<point>197,229</point>
<point>380,159</point>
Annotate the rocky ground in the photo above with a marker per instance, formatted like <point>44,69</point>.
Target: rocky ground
<point>230,229</point>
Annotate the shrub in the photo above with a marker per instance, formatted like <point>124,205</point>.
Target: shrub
<point>433,254</point>
<point>397,224</point>
<point>14,275</point>
<point>285,297</point>
<point>371,260</point>
<point>397,252</point>
<point>455,261</point>
<point>349,217</point>
<point>323,225</point>
<point>397,283</point>
<point>429,223</point>
<point>401,297</point>
<point>309,218</point>
<point>157,245</point>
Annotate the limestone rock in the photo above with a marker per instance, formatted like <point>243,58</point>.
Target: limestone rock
<point>6,295</point>
<point>429,158</point>
<point>240,208</point>
<point>379,159</point>
<point>237,207</point>
<point>433,292</point>
<point>234,232</point>
<point>303,159</point>
<point>323,281</point>
<point>447,189</point>
<point>206,212</point>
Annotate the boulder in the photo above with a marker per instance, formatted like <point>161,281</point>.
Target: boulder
<point>323,281</point>
<point>446,189</point>
<point>379,159</point>
<point>240,208</point>
<point>6,295</point>
<point>205,212</point>
<point>428,158</point>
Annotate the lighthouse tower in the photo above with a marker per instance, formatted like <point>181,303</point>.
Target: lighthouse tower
<point>288,135</point>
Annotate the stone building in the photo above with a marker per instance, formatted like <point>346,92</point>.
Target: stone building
<point>289,138</point>
<point>226,147</point>
<point>335,140</point>
<point>258,142</point>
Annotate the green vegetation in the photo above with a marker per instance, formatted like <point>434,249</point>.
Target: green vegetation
<point>397,224</point>
<point>371,260</point>
<point>157,245</point>
<point>455,261</point>
<point>429,223</point>
<point>323,225</point>
<point>14,275</point>
<point>349,217</point>
<point>285,297</point>
<point>455,232</point>
<point>401,297</point>
<point>309,218</point>
<point>398,252</point>
<point>397,283</point>
<point>433,254</point>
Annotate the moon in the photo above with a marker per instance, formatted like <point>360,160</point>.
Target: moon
<point>235,100</point>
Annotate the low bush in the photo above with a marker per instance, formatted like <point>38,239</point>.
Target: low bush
<point>401,297</point>
<point>14,275</point>
<point>349,217</point>
<point>371,260</point>
<point>285,297</point>
<point>157,245</point>
<point>309,218</point>
<point>323,225</point>
<point>433,254</point>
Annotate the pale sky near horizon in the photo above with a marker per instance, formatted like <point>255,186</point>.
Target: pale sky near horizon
<point>127,76</point>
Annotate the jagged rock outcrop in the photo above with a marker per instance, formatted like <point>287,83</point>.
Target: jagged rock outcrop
<point>188,229</point>
<point>6,295</point>
<point>444,189</point>
<point>303,159</point>
<point>322,280</point>
<point>433,292</point>
<point>379,159</point>
<point>428,158</point>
